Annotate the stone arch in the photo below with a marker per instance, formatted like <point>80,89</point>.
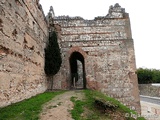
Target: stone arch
<point>77,49</point>
<point>76,57</point>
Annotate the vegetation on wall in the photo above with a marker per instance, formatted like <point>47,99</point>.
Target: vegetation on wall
<point>53,58</point>
<point>146,76</point>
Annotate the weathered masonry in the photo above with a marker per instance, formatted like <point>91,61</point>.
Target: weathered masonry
<point>23,33</point>
<point>98,54</point>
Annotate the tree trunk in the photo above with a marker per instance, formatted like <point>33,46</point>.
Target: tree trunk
<point>51,82</point>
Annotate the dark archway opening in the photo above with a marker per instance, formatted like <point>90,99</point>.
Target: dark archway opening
<point>77,71</point>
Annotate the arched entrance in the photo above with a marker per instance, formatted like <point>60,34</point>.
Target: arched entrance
<point>77,71</point>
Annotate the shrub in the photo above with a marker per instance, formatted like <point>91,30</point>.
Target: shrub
<point>146,76</point>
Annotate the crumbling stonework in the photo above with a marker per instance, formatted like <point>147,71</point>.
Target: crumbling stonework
<point>106,50</point>
<point>23,33</point>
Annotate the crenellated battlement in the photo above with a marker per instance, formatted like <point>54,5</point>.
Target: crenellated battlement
<point>115,11</point>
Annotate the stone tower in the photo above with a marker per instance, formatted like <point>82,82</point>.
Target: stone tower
<point>98,54</point>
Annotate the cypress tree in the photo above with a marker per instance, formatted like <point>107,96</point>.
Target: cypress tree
<point>53,58</point>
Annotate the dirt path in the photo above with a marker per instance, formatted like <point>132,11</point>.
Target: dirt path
<point>150,111</point>
<point>59,107</point>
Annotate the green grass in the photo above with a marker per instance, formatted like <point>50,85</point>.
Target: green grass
<point>83,109</point>
<point>90,95</point>
<point>28,109</point>
<point>78,108</point>
<point>92,112</point>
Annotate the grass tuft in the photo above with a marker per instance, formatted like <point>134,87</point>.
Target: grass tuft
<point>78,108</point>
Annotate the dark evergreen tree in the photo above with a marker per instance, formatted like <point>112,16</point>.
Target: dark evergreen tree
<point>53,58</point>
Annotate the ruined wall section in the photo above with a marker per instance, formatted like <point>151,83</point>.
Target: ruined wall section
<point>23,33</point>
<point>110,61</point>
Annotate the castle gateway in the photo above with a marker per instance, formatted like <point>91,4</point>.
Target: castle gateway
<point>98,54</point>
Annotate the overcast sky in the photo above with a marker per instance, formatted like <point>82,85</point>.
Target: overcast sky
<point>144,17</point>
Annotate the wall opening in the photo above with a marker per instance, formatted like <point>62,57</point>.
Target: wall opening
<point>77,71</point>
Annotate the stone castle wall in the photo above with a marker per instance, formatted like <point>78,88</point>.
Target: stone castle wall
<point>107,47</point>
<point>152,90</point>
<point>23,33</point>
